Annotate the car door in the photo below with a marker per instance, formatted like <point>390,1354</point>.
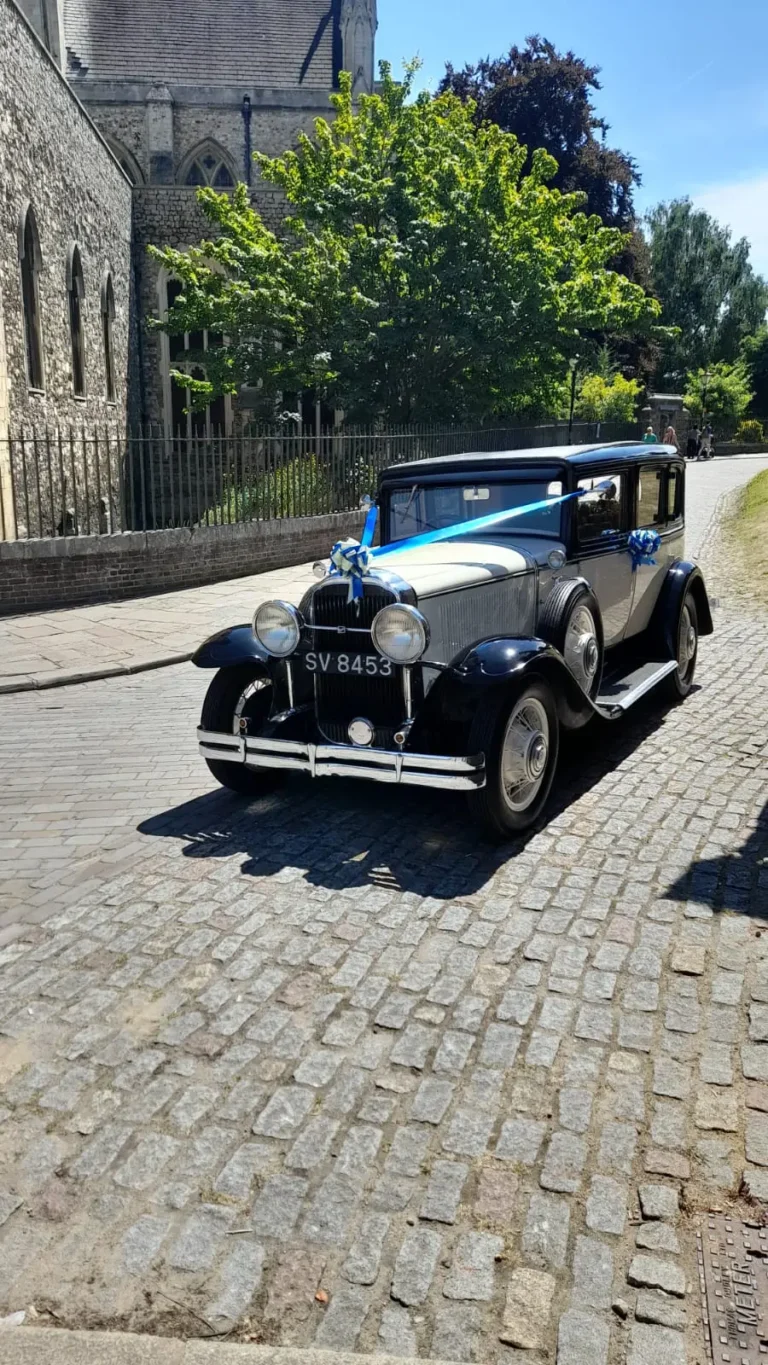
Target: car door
<point>601,553</point>
<point>658,507</point>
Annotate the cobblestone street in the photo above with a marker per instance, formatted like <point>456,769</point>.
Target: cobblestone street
<point>329,1069</point>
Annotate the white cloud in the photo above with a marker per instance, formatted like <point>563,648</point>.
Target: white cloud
<point>743,207</point>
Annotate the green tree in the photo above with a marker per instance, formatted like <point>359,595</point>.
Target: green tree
<point>423,276</point>
<point>707,288</point>
<point>755,355</point>
<point>601,399</point>
<point>719,392</point>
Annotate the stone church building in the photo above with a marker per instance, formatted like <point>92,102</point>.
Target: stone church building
<point>112,113</point>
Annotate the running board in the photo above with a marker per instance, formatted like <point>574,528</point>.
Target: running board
<point>620,693</point>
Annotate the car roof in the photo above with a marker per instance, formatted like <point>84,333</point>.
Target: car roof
<point>623,452</point>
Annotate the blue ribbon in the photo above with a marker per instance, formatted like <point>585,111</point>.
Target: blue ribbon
<point>642,546</point>
<point>352,559</point>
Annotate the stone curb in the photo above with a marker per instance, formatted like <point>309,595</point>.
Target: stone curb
<point>67,679</point>
<point>54,1346</point>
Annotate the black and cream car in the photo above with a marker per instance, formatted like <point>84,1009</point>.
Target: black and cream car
<point>461,661</point>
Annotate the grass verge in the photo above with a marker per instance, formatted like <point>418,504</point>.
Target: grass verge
<point>747,530</point>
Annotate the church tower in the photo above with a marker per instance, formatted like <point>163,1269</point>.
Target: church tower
<point>358,31</point>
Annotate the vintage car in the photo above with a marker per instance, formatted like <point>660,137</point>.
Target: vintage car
<point>460,659</point>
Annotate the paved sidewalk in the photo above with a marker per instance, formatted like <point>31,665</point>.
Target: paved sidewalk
<point>53,648</point>
<point>46,649</point>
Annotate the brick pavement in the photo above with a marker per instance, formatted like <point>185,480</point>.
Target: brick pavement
<point>43,647</point>
<point>332,1042</point>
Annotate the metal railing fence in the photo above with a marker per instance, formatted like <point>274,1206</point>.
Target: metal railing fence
<point>71,482</point>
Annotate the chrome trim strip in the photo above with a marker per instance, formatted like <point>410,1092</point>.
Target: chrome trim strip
<point>326,760</point>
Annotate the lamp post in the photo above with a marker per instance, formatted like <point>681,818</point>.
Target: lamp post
<point>573,365</point>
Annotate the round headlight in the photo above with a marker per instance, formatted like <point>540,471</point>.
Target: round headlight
<point>277,626</point>
<point>400,633</point>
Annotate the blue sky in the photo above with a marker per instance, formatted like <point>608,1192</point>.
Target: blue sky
<point>685,84</point>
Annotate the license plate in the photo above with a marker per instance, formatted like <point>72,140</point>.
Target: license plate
<point>359,665</point>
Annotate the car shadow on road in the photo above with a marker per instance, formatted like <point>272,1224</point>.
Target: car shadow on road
<point>735,880</point>
<point>342,833</point>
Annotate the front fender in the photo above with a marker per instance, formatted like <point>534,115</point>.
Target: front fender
<point>503,661</point>
<point>237,645</point>
<point>682,577</point>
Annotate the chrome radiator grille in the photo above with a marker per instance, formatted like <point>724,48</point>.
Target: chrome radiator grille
<point>339,698</point>
<point>459,619</point>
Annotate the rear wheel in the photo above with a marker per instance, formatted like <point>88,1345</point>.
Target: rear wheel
<point>519,736</point>
<point>238,698</point>
<point>678,684</point>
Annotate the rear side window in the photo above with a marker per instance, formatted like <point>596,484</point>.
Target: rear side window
<point>674,495</point>
<point>650,483</point>
<point>598,511</point>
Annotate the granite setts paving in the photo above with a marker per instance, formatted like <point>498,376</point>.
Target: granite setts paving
<point>335,1043</point>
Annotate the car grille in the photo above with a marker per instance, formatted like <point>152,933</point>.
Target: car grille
<point>340,698</point>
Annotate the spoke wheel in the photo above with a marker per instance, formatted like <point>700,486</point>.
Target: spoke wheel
<point>581,650</point>
<point>525,753</point>
<point>238,701</point>
<point>679,683</point>
<point>687,642</point>
<point>519,734</point>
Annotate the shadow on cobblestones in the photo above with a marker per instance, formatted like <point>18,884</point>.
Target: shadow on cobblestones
<point>342,835</point>
<point>732,880</point>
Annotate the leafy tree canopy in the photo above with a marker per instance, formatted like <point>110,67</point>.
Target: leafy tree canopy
<point>720,393</point>
<point>544,97</point>
<point>607,400</point>
<point>707,288</point>
<point>424,275</point>
<point>755,354</point>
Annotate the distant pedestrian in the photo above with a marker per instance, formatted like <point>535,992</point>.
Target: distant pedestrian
<point>709,438</point>
<point>692,444</point>
<point>670,438</point>
<point>650,438</point>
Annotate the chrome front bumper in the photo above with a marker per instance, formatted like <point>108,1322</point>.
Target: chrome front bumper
<point>338,760</point>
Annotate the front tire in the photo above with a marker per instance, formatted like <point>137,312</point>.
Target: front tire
<point>678,684</point>
<point>519,735</point>
<point>235,694</point>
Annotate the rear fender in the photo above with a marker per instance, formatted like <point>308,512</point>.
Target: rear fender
<point>237,645</point>
<point>503,663</point>
<point>682,577</point>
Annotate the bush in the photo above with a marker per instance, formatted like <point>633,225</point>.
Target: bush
<point>299,488</point>
<point>607,400</point>
<point>750,432</point>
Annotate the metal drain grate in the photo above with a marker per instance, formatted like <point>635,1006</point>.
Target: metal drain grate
<point>733,1279</point>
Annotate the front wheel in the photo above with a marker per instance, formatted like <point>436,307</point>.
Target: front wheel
<point>679,683</point>
<point>238,698</point>
<point>520,738</point>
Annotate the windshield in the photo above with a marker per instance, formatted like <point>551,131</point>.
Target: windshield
<point>416,509</point>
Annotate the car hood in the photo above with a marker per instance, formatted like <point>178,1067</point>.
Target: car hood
<point>450,564</point>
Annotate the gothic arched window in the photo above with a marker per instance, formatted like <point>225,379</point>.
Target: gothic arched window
<point>208,166</point>
<point>107,324</point>
<point>186,353</point>
<point>76,293</point>
<point>30,261</point>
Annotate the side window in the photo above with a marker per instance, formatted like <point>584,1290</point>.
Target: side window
<point>650,482</point>
<point>674,495</point>
<point>598,511</point>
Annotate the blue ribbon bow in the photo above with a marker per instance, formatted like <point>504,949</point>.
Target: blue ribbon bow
<point>642,546</point>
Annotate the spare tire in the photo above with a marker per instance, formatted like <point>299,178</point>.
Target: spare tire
<point>570,620</point>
